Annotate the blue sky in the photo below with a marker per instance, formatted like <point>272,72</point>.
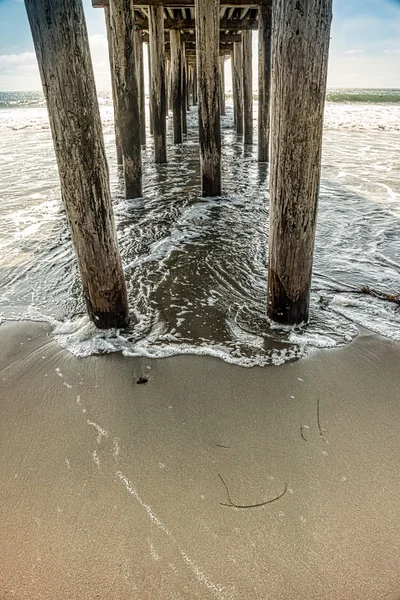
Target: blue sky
<point>365,45</point>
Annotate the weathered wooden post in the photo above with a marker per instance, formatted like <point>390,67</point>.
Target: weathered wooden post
<point>168,79</point>
<point>238,84</point>
<point>184,91</point>
<point>207,44</point>
<point>247,87</point>
<point>187,71</point>
<point>190,87</point>
<point>264,79</point>
<point>195,98</point>
<point>151,128</point>
<point>222,82</point>
<point>158,88</point>
<point>300,43</point>
<point>234,90</point>
<point>62,49</point>
<point>122,21</point>
<point>113,84</point>
<point>176,83</point>
<point>140,77</point>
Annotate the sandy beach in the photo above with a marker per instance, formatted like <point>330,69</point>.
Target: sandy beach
<point>114,490</point>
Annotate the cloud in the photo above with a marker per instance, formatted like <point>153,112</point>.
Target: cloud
<point>355,51</point>
<point>98,40</point>
<point>13,60</point>
<point>394,51</point>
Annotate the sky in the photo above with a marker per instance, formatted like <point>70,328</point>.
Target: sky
<point>364,50</point>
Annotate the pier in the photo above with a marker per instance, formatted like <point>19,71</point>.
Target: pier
<point>188,43</point>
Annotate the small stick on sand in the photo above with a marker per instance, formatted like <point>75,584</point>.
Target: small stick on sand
<point>302,434</point>
<point>319,423</point>
<point>233,505</point>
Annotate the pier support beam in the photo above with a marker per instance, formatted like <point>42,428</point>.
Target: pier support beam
<point>140,79</point>
<point>158,83</point>
<point>238,86</point>
<point>176,83</point>
<point>62,49</point>
<point>184,91</point>
<point>264,79</point>
<point>122,23</point>
<point>149,80</point>
<point>222,83</point>
<point>247,87</point>
<point>300,43</point>
<point>195,99</point>
<point>113,83</point>
<point>207,44</point>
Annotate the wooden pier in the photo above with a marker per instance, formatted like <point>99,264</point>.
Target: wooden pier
<point>188,40</point>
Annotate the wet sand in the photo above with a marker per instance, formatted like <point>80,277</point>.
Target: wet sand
<point>110,489</point>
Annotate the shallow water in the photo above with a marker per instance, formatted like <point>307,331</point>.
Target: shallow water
<point>196,268</point>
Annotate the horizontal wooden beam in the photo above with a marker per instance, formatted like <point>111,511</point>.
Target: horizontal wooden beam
<point>190,52</point>
<point>189,24</point>
<point>190,39</point>
<point>185,3</point>
<point>190,3</point>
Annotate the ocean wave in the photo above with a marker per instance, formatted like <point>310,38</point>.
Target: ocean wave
<point>374,96</point>
<point>196,268</point>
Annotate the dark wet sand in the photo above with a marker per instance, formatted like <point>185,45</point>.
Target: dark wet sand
<point>110,489</point>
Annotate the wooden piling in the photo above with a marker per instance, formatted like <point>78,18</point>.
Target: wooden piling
<point>222,84</point>
<point>169,87</point>
<point>113,84</point>
<point>176,83</point>
<point>121,13</point>
<point>234,89</point>
<point>238,85</point>
<point>207,44</point>
<point>300,43</point>
<point>158,83</point>
<point>151,128</point>
<point>140,77</point>
<point>264,79</point>
<point>184,91</point>
<point>247,87</point>
<point>195,96</point>
<point>187,70</point>
<point>62,49</point>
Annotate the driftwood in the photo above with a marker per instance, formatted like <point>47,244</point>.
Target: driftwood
<point>364,290</point>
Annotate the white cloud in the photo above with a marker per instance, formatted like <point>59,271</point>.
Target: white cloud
<point>394,51</point>
<point>24,58</point>
<point>98,40</point>
<point>354,51</point>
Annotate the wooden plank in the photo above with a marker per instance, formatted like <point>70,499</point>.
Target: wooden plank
<point>207,43</point>
<point>300,43</point>
<point>62,49</point>
<point>158,97</point>
<point>247,88</point>
<point>264,80</point>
